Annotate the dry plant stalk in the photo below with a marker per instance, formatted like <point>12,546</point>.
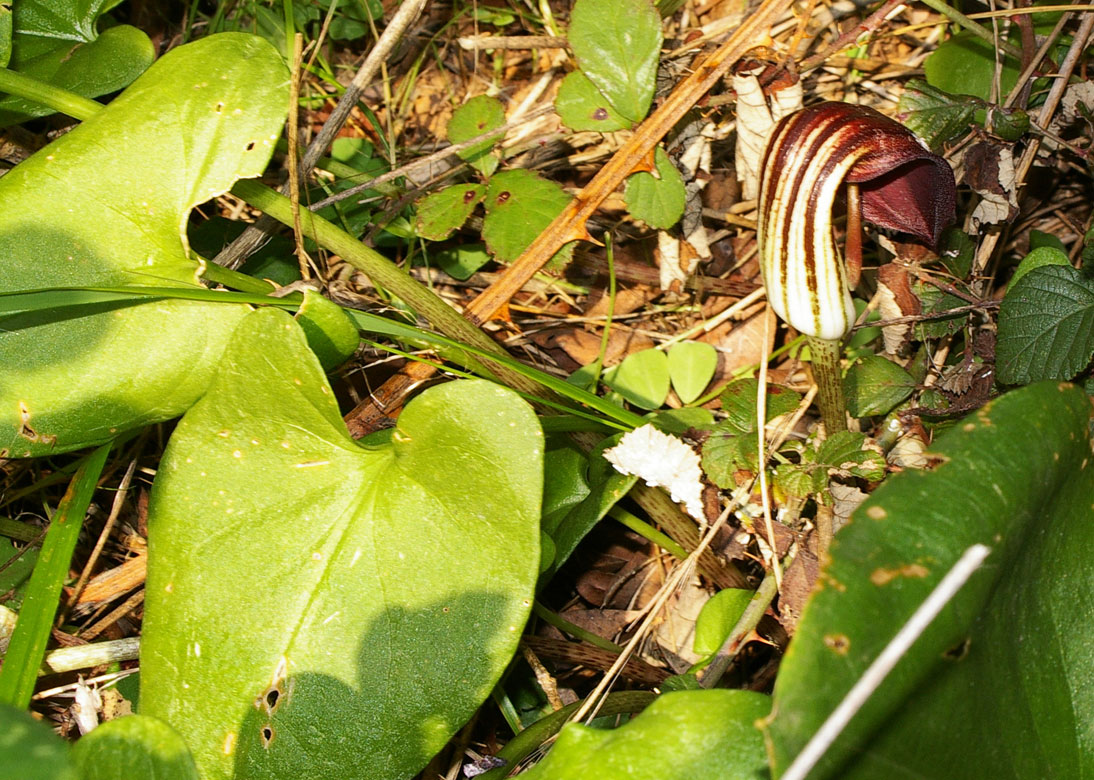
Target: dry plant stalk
<point>570,224</point>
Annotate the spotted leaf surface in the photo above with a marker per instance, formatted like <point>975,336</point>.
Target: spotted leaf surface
<point>998,685</point>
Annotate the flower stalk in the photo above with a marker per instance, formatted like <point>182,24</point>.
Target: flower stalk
<point>886,177</point>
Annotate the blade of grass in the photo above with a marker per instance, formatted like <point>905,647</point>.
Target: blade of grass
<point>28,642</point>
<point>38,307</point>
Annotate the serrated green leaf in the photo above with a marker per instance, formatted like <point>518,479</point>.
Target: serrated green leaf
<point>934,115</point>
<point>617,44</point>
<point>843,454</point>
<point>875,385</point>
<point>441,213</point>
<point>131,747</point>
<point>686,735</point>
<point>794,479</point>
<point>519,206</point>
<point>997,685</point>
<point>477,116</point>
<point>732,444</point>
<point>1041,256</point>
<point>1046,326</point>
<point>691,367</point>
<point>739,403</point>
<point>314,607</point>
<point>81,213</point>
<point>56,41</point>
<point>659,202</point>
<point>581,106</point>
<point>29,750</point>
<point>642,378</point>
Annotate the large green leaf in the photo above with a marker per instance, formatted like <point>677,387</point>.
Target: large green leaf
<point>135,746</point>
<point>690,735</point>
<point>106,205</point>
<point>1046,325</point>
<point>29,750</point>
<point>319,608</point>
<point>617,43</point>
<point>55,41</point>
<point>999,685</point>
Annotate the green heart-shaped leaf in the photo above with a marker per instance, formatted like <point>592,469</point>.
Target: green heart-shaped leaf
<point>319,608</point>
<point>106,205</point>
<point>691,367</point>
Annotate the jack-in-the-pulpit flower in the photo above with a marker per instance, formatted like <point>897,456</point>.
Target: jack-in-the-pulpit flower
<point>892,181</point>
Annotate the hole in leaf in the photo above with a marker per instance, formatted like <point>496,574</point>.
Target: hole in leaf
<point>267,735</point>
<point>271,698</point>
<point>958,651</point>
<point>250,146</point>
<point>219,108</point>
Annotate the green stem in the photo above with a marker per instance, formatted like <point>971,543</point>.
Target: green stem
<point>825,357</point>
<point>647,531</point>
<point>977,29</point>
<point>565,626</point>
<point>40,92</point>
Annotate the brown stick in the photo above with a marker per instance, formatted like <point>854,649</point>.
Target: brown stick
<point>570,224</point>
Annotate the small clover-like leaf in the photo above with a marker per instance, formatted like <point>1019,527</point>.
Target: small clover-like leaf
<point>642,378</point>
<point>477,116</point>
<point>659,202</point>
<point>691,367</point>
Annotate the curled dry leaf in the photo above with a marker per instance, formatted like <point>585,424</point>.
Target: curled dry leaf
<point>895,300</point>
<point>757,112</point>
<point>989,170</point>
